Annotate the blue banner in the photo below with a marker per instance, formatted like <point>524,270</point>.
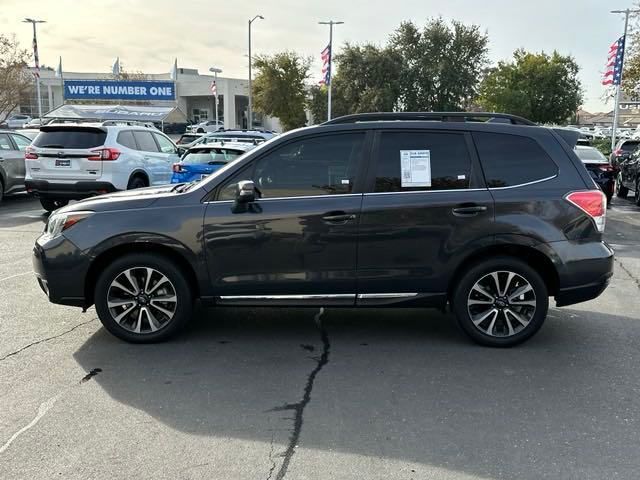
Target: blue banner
<point>118,90</point>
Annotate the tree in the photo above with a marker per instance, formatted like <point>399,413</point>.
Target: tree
<point>543,88</point>
<point>441,65</point>
<point>15,81</point>
<point>279,88</point>
<point>317,103</point>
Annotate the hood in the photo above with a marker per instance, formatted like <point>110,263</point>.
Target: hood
<point>128,199</point>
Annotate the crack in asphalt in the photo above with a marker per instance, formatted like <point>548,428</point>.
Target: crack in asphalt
<point>298,408</point>
<point>273,462</point>
<point>627,271</point>
<point>11,354</point>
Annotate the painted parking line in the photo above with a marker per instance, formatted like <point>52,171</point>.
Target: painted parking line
<point>16,275</point>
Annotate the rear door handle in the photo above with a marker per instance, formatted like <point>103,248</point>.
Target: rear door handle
<point>338,217</point>
<point>469,211</point>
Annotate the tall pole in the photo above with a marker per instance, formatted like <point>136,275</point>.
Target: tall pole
<point>331,23</point>
<point>36,61</point>
<point>250,109</point>
<point>215,79</point>
<point>616,106</point>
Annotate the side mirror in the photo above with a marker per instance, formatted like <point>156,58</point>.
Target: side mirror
<point>245,192</point>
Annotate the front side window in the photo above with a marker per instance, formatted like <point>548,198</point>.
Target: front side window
<point>5,143</point>
<point>324,165</point>
<point>145,140</point>
<point>21,142</point>
<point>510,160</point>
<point>166,146</point>
<point>422,161</point>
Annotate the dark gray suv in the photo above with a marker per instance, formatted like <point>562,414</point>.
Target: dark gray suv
<point>487,213</point>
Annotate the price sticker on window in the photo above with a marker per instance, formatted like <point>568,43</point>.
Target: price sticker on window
<point>415,168</point>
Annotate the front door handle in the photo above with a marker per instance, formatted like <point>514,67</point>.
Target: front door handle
<point>338,217</point>
<point>469,211</point>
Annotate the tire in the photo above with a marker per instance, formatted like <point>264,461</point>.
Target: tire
<point>135,325</point>
<point>200,130</point>
<point>609,200</point>
<point>500,329</point>
<point>621,190</point>
<point>1,190</point>
<point>636,196</point>
<point>51,204</point>
<point>136,182</point>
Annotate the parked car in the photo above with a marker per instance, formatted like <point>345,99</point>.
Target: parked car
<point>12,147</point>
<point>600,169</point>
<point>624,149</point>
<point>201,161</point>
<point>206,126</point>
<point>18,120</point>
<point>188,138</point>
<point>629,176</point>
<point>367,210</point>
<point>74,161</point>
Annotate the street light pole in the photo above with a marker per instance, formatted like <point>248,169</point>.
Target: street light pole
<point>250,109</point>
<point>216,71</point>
<point>36,60</point>
<point>331,23</point>
<point>616,105</point>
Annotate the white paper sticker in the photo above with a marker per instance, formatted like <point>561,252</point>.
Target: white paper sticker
<point>462,177</point>
<point>415,168</point>
<point>344,182</point>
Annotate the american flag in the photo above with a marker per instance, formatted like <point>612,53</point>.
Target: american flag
<point>36,73</point>
<point>214,88</point>
<point>326,65</point>
<point>615,61</point>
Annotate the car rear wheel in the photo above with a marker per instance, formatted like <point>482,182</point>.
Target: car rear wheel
<point>136,182</point>
<point>51,204</point>
<point>501,302</point>
<point>636,196</point>
<point>143,298</point>
<point>621,190</point>
<point>1,190</point>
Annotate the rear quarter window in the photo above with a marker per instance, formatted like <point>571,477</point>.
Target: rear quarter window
<point>510,160</point>
<point>69,138</point>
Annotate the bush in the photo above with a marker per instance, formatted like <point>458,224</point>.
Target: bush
<point>602,144</point>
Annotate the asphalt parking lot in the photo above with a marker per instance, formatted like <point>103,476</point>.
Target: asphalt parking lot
<point>310,394</point>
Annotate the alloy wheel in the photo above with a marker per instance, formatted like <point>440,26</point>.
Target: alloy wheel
<point>501,304</point>
<point>142,300</point>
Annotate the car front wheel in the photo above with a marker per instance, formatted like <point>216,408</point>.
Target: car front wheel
<point>501,302</point>
<point>50,204</point>
<point>143,298</point>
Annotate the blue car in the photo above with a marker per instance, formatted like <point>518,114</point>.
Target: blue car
<point>203,160</point>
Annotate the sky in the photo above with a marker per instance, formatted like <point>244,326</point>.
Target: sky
<point>148,34</point>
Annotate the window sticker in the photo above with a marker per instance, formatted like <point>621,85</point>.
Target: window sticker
<point>415,168</point>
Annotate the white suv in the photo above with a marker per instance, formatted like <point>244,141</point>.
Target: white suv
<point>73,161</point>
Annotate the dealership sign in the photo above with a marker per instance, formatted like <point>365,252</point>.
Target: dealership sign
<point>118,90</point>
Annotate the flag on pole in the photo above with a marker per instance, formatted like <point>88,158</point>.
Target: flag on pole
<point>59,69</point>
<point>174,70</point>
<point>116,67</point>
<point>214,89</point>
<point>325,55</point>
<point>36,58</point>
<point>615,62</point>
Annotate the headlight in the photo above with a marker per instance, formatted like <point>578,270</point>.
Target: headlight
<point>59,222</point>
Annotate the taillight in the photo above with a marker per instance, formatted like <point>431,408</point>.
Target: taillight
<point>591,202</point>
<point>106,154</point>
<point>177,168</point>
<point>617,152</point>
<point>606,168</point>
<point>29,154</point>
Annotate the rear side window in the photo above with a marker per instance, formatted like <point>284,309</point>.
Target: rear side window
<point>629,146</point>
<point>69,138</point>
<point>410,161</point>
<point>145,140</point>
<point>509,160</point>
<point>125,138</point>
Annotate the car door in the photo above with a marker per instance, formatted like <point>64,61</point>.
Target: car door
<point>297,243</point>
<point>425,206</point>
<point>20,143</point>
<point>168,153</point>
<point>12,164</point>
<point>154,162</point>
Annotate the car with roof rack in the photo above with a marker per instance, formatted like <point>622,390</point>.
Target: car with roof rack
<point>485,213</point>
<point>200,161</point>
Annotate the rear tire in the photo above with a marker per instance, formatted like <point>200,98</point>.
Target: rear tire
<point>137,182</point>
<point>636,196</point>
<point>621,190</point>
<point>51,204</point>
<point>1,190</point>
<point>497,315</point>
<point>154,309</point>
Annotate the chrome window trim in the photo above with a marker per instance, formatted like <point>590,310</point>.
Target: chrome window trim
<point>305,197</point>
<point>362,296</point>
<point>287,297</point>
<point>525,184</point>
<point>431,191</point>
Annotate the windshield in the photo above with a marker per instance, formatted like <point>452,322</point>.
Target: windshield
<point>216,155</point>
<point>591,155</point>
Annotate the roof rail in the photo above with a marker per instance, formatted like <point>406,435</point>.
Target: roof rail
<point>139,123</point>
<point>431,117</point>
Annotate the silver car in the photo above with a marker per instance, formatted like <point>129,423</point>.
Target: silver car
<point>12,147</point>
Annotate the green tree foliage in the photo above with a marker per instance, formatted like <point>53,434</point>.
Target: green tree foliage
<point>543,88</point>
<point>15,81</point>
<point>317,103</point>
<point>279,88</point>
<point>440,65</point>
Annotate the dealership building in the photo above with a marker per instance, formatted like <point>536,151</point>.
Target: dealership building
<point>190,92</point>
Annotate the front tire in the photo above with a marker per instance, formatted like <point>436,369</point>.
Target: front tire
<point>51,204</point>
<point>143,298</point>
<point>500,302</point>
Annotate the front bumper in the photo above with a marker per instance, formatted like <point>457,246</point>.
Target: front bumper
<point>68,191</point>
<point>60,269</point>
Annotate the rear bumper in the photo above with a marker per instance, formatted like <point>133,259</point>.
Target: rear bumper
<point>69,191</point>
<point>582,293</point>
